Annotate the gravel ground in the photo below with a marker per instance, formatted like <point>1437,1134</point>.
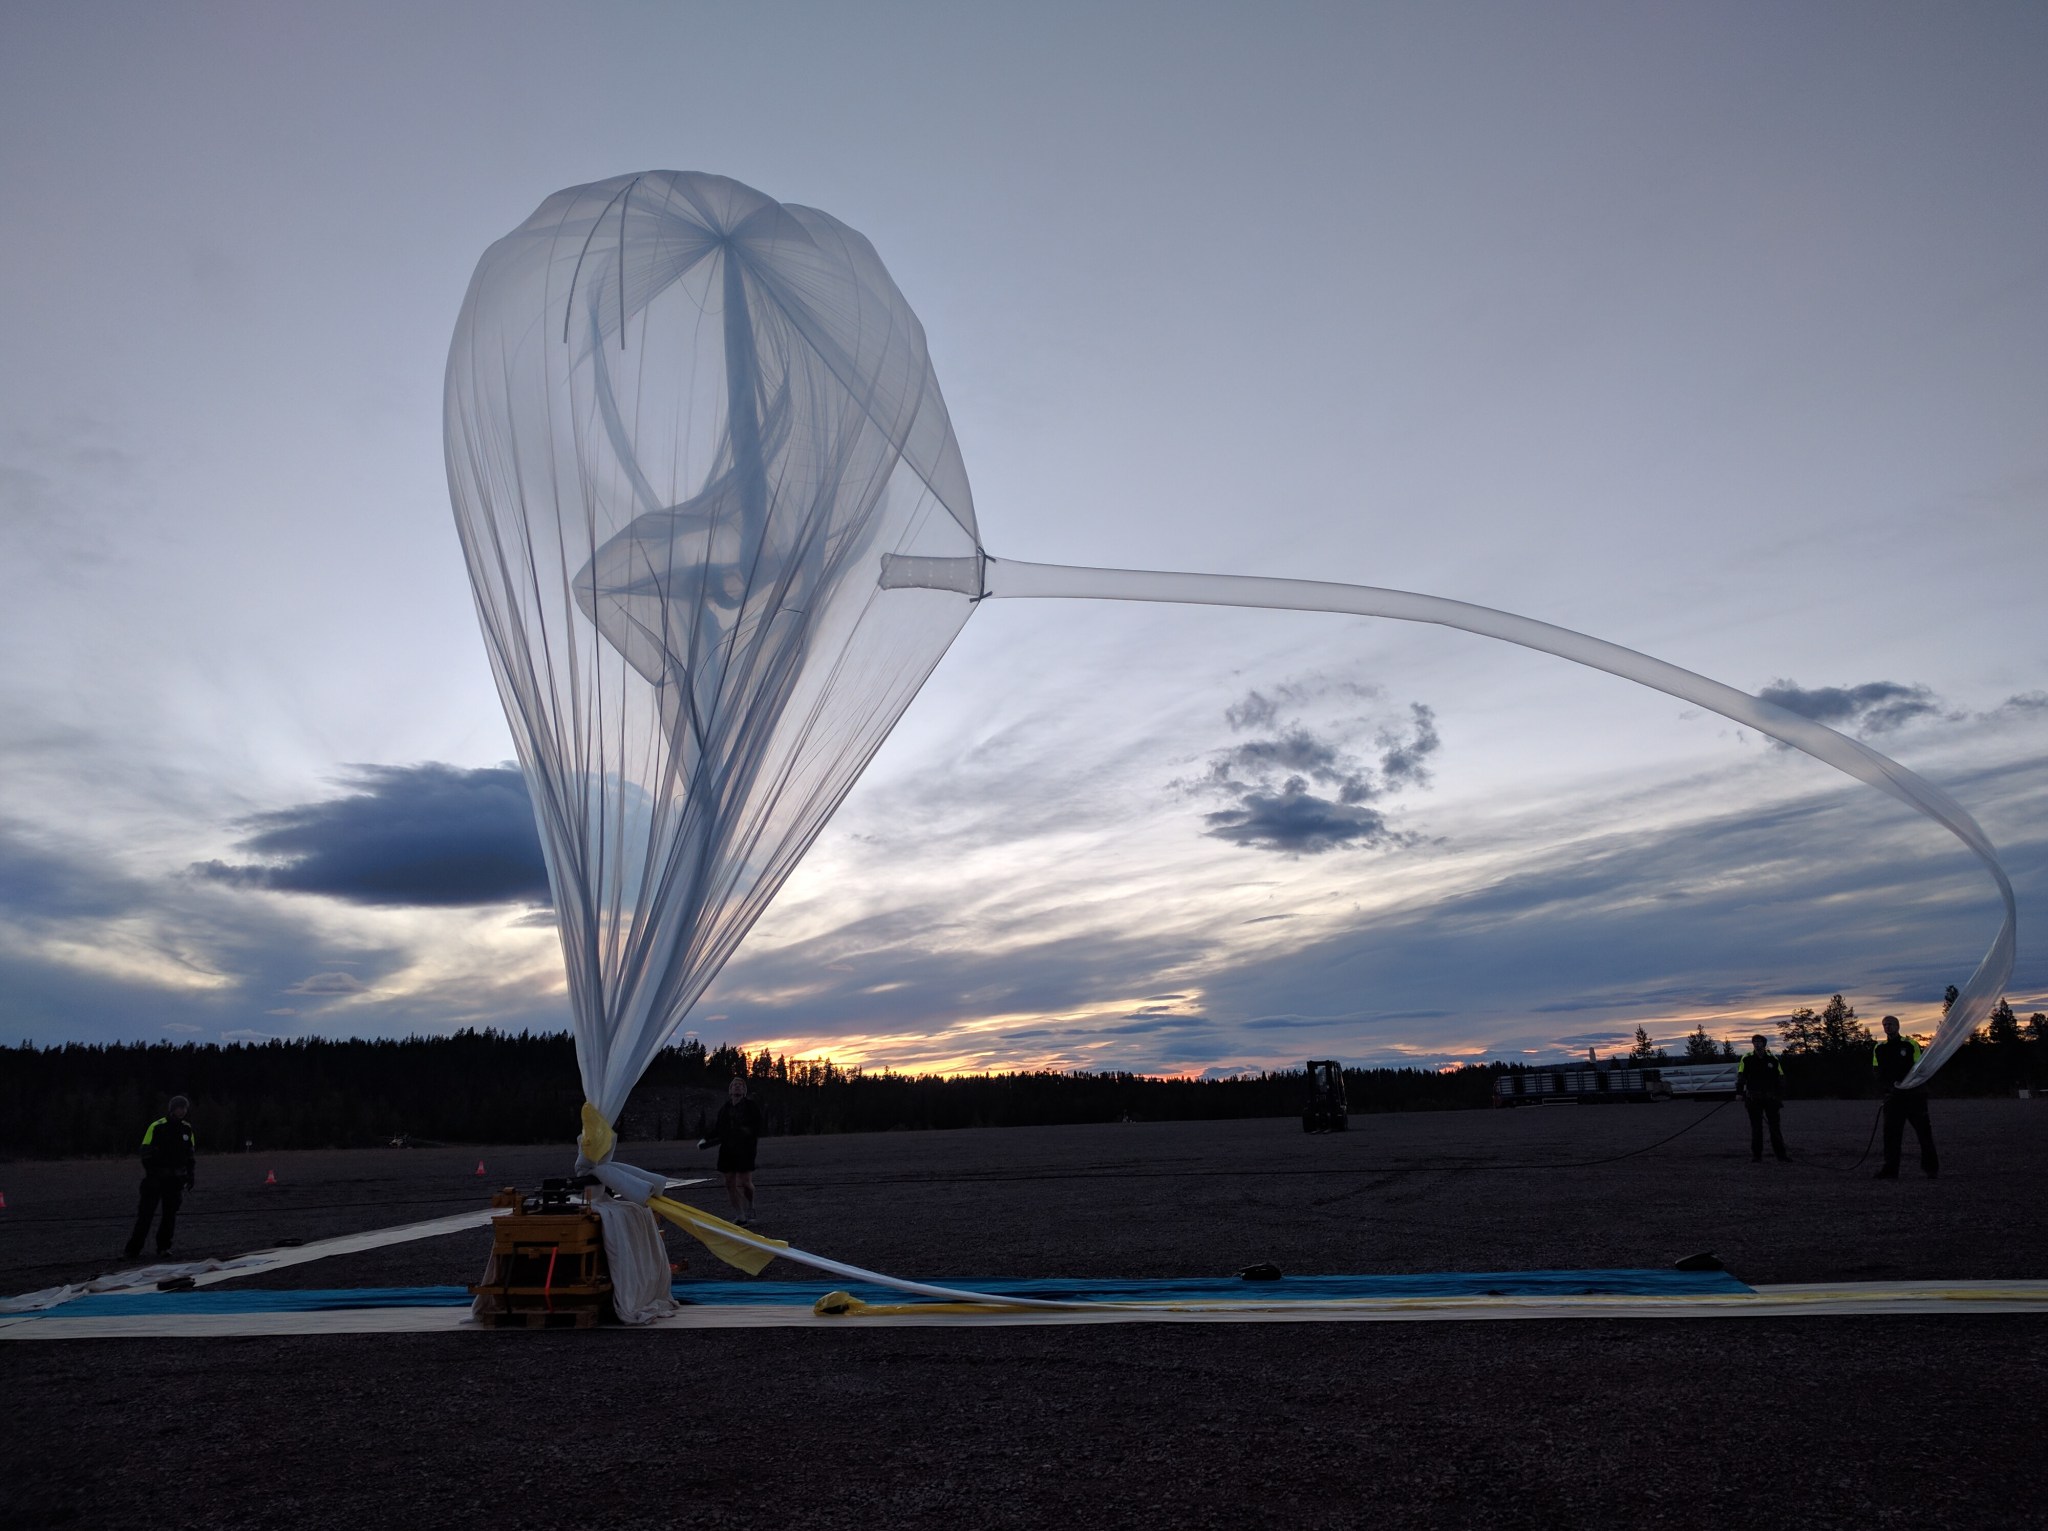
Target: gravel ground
<point>1816,1422</point>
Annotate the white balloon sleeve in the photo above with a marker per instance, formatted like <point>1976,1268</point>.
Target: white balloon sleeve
<point>1003,578</point>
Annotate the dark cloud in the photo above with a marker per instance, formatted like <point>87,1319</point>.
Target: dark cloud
<point>1297,1022</point>
<point>1300,792</point>
<point>1401,759</point>
<point>1298,822</point>
<point>1877,706</point>
<point>426,835</point>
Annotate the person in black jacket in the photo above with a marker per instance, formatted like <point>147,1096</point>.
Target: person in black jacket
<point>170,1153</point>
<point>1893,1059</point>
<point>1760,1082</point>
<point>737,1132</point>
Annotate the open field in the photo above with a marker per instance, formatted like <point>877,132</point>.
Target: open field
<point>1810,1422</point>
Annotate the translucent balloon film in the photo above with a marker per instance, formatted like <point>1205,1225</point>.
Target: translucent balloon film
<point>684,422</point>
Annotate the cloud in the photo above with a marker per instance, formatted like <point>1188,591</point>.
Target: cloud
<point>97,944</point>
<point>1297,822</point>
<point>409,836</point>
<point>1877,706</point>
<point>1255,710</point>
<point>1401,760</point>
<point>1301,792</point>
<point>329,984</point>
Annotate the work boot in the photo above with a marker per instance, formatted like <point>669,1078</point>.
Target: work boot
<point>1783,1157</point>
<point>132,1252</point>
<point>1888,1173</point>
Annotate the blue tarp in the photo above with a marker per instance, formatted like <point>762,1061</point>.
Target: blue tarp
<point>1643,1283</point>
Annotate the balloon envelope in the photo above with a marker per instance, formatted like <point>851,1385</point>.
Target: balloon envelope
<point>683,424</point>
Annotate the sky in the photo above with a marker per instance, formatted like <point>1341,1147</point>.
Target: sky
<point>1717,331</point>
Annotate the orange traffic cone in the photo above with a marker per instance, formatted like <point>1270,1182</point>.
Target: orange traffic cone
<point>270,1178</point>
<point>479,1169</point>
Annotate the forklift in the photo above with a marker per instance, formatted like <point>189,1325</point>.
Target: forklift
<point>1326,1110</point>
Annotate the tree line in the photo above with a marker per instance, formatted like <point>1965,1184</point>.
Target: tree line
<point>484,1086</point>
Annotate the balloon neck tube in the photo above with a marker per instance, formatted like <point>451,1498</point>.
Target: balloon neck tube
<point>962,576</point>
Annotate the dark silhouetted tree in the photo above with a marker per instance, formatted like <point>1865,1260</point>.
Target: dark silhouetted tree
<point>1701,1048</point>
<point>2008,1045</point>
<point>1841,1034</point>
<point>1829,1051</point>
<point>1801,1032</point>
<point>2003,1029</point>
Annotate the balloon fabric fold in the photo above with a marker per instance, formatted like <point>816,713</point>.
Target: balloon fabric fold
<point>719,533</point>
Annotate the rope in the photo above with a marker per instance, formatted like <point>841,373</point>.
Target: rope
<point>1841,1169</point>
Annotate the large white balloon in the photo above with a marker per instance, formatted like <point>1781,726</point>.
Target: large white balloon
<point>684,423</point>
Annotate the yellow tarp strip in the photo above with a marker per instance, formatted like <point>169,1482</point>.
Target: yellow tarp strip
<point>735,1245</point>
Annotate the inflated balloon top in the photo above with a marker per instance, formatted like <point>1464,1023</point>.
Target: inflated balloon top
<point>720,532</point>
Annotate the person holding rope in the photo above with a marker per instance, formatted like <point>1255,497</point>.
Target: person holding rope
<point>1760,1084</point>
<point>1893,1058</point>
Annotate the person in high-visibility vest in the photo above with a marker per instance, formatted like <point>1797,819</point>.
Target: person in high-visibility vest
<point>1893,1058</point>
<point>1760,1082</point>
<point>170,1153</point>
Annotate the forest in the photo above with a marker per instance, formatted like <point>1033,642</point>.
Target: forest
<point>484,1086</point>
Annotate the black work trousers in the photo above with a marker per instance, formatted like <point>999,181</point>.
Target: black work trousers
<point>167,1190</point>
<point>1761,1111</point>
<point>1901,1107</point>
